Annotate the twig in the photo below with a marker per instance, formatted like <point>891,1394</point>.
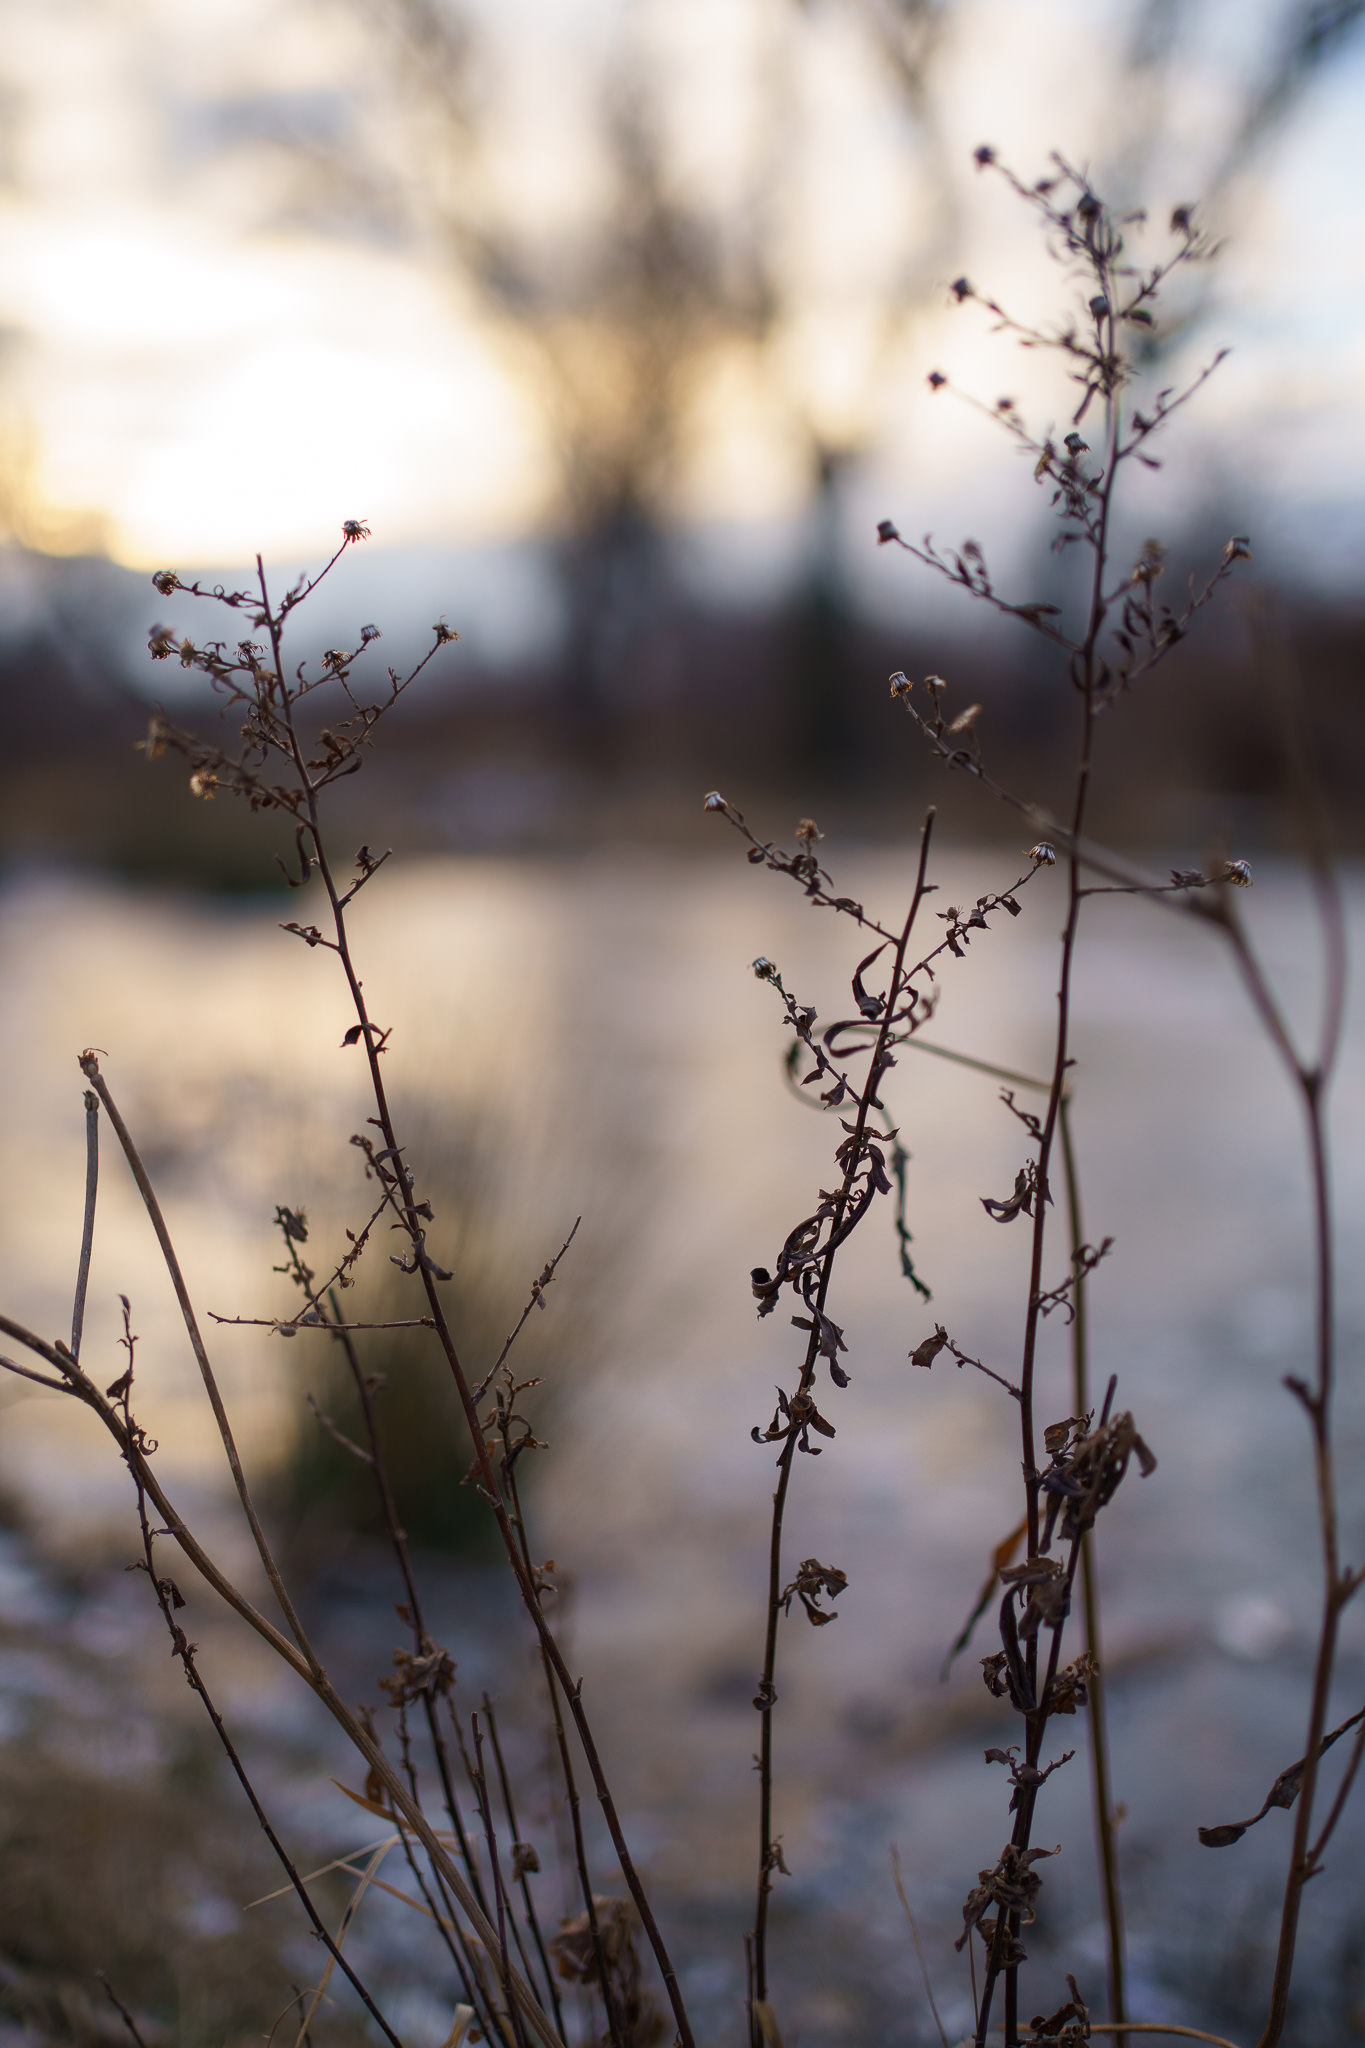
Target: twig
<point>120,2008</point>
<point>919,1952</point>
<point>92,1182</point>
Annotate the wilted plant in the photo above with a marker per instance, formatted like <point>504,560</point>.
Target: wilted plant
<point>448,1802</point>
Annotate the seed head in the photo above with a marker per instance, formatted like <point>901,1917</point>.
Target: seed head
<point>1238,872</point>
<point>355,529</point>
<point>1043,855</point>
<point>901,685</point>
<point>166,580</point>
<point>808,832</point>
<point>765,969</point>
<point>714,801</point>
<point>444,633</point>
<point>368,633</point>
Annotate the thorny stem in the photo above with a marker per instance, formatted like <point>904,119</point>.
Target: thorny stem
<point>769,1849</point>
<point>488,1485</point>
<point>1102,1798</point>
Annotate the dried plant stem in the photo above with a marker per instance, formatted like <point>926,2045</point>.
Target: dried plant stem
<point>1086,671</point>
<point>372,1040</point>
<point>166,1599</point>
<point>1317,1403</point>
<point>77,1383</point>
<point>120,2008</point>
<point>1102,1798</point>
<point>90,1068</point>
<point>769,1848</point>
<point>92,1184</point>
<point>399,1543</point>
<point>572,1798</point>
<point>919,1952</point>
<point>532,1917</point>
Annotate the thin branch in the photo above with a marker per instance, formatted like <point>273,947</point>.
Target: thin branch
<point>92,1182</point>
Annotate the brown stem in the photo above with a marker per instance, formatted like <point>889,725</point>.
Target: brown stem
<point>91,1069</point>
<point>1318,1404</point>
<point>766,1696</point>
<point>532,1917</point>
<point>488,1486</point>
<point>1086,675</point>
<point>1102,1798</point>
<point>313,1675</point>
<point>92,1182</point>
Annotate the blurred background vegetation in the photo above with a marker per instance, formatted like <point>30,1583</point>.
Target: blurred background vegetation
<point>614,318</point>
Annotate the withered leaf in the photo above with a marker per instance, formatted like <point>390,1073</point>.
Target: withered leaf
<point>871,1006</point>
<point>1283,1792</point>
<point>925,1353</point>
<point>1019,1203</point>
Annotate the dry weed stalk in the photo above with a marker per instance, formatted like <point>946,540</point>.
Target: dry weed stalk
<point>1119,633</point>
<point>302,730</point>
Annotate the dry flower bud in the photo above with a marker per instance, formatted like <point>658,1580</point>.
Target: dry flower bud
<point>368,633</point>
<point>1238,549</point>
<point>714,801</point>
<point>808,831</point>
<point>934,683</point>
<point>188,653</point>
<point>334,659</point>
<point>1099,305</point>
<point>901,685</point>
<point>166,580</point>
<point>984,155</point>
<point>1181,220</point>
<point>204,783</point>
<point>154,746</point>
<point>355,529</point>
<point>1043,855</point>
<point>1088,206</point>
<point>1077,445</point>
<point>937,380</point>
<point>1150,562</point>
<point>961,289</point>
<point>161,641</point>
<point>765,969</point>
<point>886,531</point>
<point>444,632</point>
<point>1238,872</point>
